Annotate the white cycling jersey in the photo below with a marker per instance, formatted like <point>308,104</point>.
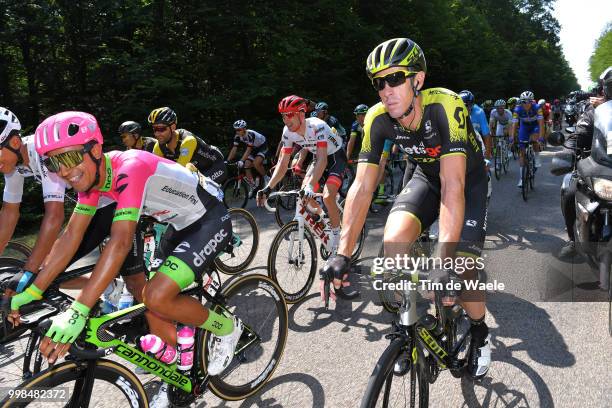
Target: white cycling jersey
<point>251,139</point>
<point>53,187</point>
<point>502,121</point>
<point>317,134</point>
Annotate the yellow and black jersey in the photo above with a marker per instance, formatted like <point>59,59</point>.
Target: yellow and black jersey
<point>190,149</point>
<point>445,129</point>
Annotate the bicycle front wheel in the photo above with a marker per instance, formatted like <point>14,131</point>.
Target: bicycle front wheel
<point>235,193</point>
<point>525,181</point>
<point>498,161</point>
<point>259,303</point>
<point>244,243</point>
<point>113,386</point>
<point>292,262</point>
<point>388,389</point>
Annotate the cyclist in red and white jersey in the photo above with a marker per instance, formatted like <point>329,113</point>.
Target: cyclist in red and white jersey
<point>316,136</point>
<point>140,184</point>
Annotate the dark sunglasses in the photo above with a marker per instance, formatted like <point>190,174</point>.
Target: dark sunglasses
<point>69,159</point>
<point>525,101</point>
<point>394,79</point>
<point>157,129</point>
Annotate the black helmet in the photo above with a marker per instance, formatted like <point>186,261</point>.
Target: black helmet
<point>163,115</point>
<point>397,52</point>
<point>360,109</point>
<point>605,82</point>
<point>129,127</point>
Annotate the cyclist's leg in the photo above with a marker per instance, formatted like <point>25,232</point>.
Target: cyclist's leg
<point>191,252</point>
<point>416,207</point>
<point>336,164</point>
<point>537,146</point>
<point>248,166</point>
<point>258,160</point>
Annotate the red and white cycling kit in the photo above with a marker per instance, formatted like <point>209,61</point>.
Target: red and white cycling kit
<point>317,134</point>
<point>53,187</point>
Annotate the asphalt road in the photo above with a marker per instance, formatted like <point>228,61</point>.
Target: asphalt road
<point>550,342</point>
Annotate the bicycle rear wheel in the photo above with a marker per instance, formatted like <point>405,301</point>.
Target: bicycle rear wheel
<point>235,193</point>
<point>243,247</point>
<point>387,389</point>
<point>292,263</point>
<point>113,386</point>
<point>532,169</point>
<point>259,303</point>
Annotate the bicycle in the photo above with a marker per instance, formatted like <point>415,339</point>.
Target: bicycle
<point>103,336</point>
<point>500,156</point>
<point>237,189</point>
<point>296,269</point>
<point>419,348</point>
<point>528,171</point>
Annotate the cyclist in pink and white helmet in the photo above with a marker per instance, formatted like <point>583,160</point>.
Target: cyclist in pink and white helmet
<point>63,139</point>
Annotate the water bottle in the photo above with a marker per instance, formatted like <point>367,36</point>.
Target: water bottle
<point>185,347</point>
<point>111,296</point>
<point>126,300</point>
<point>162,351</point>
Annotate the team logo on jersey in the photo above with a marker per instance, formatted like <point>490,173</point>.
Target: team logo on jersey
<point>184,151</point>
<point>428,126</point>
<point>121,187</point>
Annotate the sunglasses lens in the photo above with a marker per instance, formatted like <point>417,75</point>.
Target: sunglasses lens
<point>394,79</point>
<point>157,129</point>
<point>67,159</point>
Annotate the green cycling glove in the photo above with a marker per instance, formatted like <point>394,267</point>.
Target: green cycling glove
<point>30,294</point>
<point>67,326</point>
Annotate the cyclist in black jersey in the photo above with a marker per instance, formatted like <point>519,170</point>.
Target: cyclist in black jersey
<point>131,136</point>
<point>255,153</point>
<point>432,127</point>
<point>184,147</point>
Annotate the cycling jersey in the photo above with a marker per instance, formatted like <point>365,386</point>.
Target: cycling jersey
<point>357,133</point>
<point>190,149</point>
<point>502,121</point>
<point>332,122</point>
<point>479,120</point>
<point>444,130</point>
<point>317,134</point>
<point>142,183</point>
<point>148,143</point>
<point>53,187</point>
<point>546,111</point>
<point>528,121</point>
<point>251,138</point>
<point>556,109</point>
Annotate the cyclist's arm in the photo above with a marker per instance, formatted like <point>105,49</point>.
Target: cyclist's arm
<point>351,145</point>
<point>280,169</point>
<point>541,122</point>
<point>64,247</point>
<point>247,152</point>
<point>452,202</point>
<point>299,158</point>
<point>9,215</point>
<point>49,230</point>
<point>191,144</point>
<point>232,153</point>
<point>110,261</point>
<point>493,125</point>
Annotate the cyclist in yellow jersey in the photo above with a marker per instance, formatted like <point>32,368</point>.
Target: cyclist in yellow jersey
<point>432,127</point>
<point>184,147</point>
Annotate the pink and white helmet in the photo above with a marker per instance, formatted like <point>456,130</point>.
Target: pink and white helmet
<point>67,129</point>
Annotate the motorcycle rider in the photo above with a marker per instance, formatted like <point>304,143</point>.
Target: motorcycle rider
<point>582,139</point>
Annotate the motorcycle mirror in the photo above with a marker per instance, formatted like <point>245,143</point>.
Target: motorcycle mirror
<point>562,163</point>
<point>556,138</point>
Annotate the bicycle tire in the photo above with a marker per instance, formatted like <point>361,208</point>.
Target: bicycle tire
<point>19,248</point>
<point>300,291</point>
<point>383,375</point>
<point>532,171</point>
<point>235,193</point>
<point>497,162</point>
<point>222,261</point>
<point>525,182</point>
<point>506,159</point>
<point>218,384</point>
<point>106,370</point>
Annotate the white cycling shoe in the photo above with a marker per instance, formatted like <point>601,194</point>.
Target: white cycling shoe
<point>161,400</point>
<point>221,349</point>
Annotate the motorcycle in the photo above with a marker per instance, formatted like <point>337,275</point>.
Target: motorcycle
<point>593,198</point>
<point>571,113</point>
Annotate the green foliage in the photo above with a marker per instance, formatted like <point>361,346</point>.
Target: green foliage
<point>602,55</point>
<point>215,62</point>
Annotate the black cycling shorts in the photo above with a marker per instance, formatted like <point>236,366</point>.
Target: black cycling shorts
<point>421,198</point>
<point>99,228</point>
<point>259,151</point>
<point>199,243</point>
<point>334,172</point>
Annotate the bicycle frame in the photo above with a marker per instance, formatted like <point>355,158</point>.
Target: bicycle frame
<point>318,228</point>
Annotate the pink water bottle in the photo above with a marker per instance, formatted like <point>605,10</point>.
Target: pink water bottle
<point>185,345</point>
<point>162,350</point>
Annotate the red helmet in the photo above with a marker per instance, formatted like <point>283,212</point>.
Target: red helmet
<point>292,103</point>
